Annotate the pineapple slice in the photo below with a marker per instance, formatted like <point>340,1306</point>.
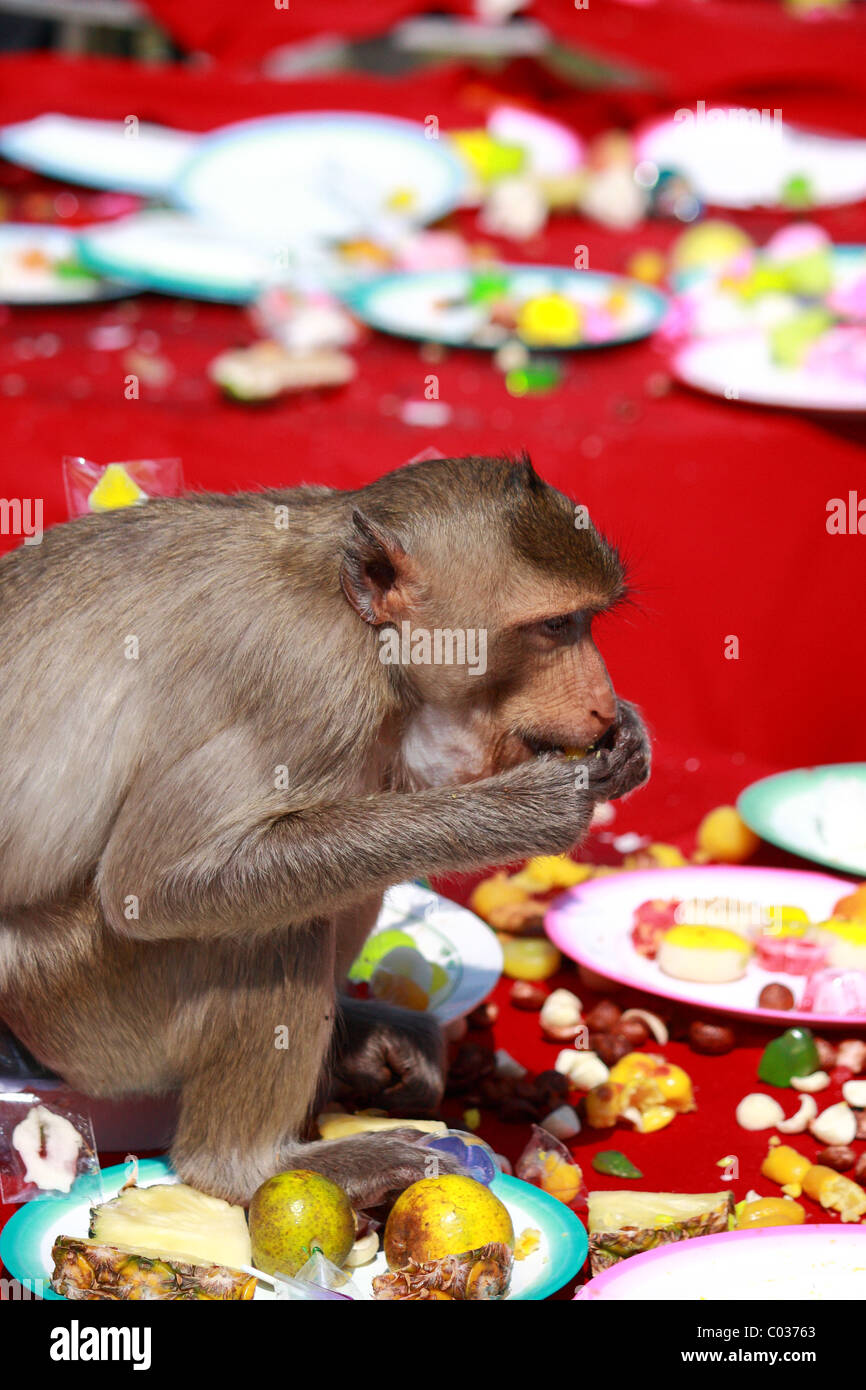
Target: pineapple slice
<point>171,1220</point>
<point>93,1271</point>
<point>627,1223</point>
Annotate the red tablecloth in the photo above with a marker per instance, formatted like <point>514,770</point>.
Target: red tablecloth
<point>720,508</point>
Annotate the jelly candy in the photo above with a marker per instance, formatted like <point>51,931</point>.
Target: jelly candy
<point>550,319</point>
<point>615,1164</point>
<point>792,1054</point>
<point>115,489</point>
<point>546,1163</point>
<point>536,379</point>
<point>529,957</point>
<point>487,286</point>
<point>476,1157</point>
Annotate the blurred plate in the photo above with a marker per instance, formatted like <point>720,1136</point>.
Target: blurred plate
<point>176,254</point>
<point>739,367</point>
<point>42,265</point>
<point>417,305</point>
<point>816,812</point>
<point>738,162</point>
<point>335,176</point>
<point>447,935</point>
<point>593,922</point>
<point>778,1262</point>
<point>141,159</point>
<point>27,1237</point>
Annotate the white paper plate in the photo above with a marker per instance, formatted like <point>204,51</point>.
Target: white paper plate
<point>593,922</point>
<point>450,936</point>
<point>43,285</point>
<point>335,176</point>
<point>738,366</point>
<point>27,1238</point>
<point>737,162</point>
<point>117,155</point>
<point>177,254</point>
<point>416,305</point>
<point>789,1263</point>
<point>817,812</point>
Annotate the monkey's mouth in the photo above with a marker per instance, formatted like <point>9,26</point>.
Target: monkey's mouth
<point>538,746</point>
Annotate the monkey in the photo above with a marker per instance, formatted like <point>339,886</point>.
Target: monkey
<point>211,773</point>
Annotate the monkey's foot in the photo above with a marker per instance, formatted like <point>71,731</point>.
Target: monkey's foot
<point>389,1058</point>
<point>373,1168</point>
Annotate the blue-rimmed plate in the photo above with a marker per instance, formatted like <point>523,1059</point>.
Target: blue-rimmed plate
<point>816,812</point>
<point>125,156</point>
<point>308,177</point>
<point>27,1237</point>
<point>435,306</point>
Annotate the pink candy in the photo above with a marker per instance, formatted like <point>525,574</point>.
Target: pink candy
<point>789,954</point>
<point>839,992</point>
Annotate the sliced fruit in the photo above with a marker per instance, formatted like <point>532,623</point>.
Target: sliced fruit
<point>172,1219</point>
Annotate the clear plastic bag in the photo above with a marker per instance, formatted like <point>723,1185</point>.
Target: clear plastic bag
<point>45,1148</point>
<point>546,1163</point>
<point>95,487</point>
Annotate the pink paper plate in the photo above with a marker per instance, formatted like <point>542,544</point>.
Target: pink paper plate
<point>773,1262</point>
<point>592,924</point>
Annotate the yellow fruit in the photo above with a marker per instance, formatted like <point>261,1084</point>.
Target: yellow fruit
<point>529,957</point>
<point>835,1192</point>
<point>443,1216</point>
<point>724,835</point>
<point>548,871</point>
<point>785,1165</point>
<point>769,1211</point>
<point>710,243</point>
<point>494,892</point>
<point>655,1117</point>
<point>647,265</point>
<point>399,989</point>
<point>561,1180</point>
<point>293,1213</point>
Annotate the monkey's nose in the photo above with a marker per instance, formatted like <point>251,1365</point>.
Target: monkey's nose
<point>601,719</point>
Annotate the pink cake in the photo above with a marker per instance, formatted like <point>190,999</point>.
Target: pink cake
<point>841,992</point>
<point>789,954</point>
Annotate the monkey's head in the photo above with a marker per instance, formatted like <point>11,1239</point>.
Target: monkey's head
<point>480,583</point>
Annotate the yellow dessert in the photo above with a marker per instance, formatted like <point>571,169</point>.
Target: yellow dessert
<point>115,489</point>
<point>712,955</point>
<point>844,942</point>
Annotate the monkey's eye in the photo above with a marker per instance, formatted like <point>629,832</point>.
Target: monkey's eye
<point>565,626</point>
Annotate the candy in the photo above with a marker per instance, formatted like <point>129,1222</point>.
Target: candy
<point>788,955</point>
<point>838,992</point>
<point>115,489</point>
<point>724,836</point>
<point>529,957</point>
<point>488,158</point>
<point>550,320</point>
<point>536,379</point>
<point>797,192</point>
<point>614,1164</point>
<point>486,286</point>
<point>792,1054</point>
<point>791,340</point>
<point>711,243</point>
<point>647,265</point>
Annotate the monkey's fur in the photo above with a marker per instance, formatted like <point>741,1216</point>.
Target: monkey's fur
<point>209,777</point>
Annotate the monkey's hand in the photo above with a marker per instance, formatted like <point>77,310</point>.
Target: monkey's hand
<point>621,762</point>
<point>387,1057</point>
<point>372,1168</point>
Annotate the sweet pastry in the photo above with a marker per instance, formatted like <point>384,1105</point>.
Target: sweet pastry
<point>710,954</point>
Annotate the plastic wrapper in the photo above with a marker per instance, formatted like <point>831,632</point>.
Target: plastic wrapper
<point>45,1148</point>
<point>321,1279</point>
<point>546,1163</point>
<point>94,487</point>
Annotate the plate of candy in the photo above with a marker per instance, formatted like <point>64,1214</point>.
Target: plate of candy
<point>312,176</point>
<point>542,307</point>
<point>817,812</point>
<point>429,954</point>
<point>41,265</point>
<point>773,1262</point>
<point>761,943</point>
<point>549,1241</point>
<point>735,157</point>
<point>827,374</point>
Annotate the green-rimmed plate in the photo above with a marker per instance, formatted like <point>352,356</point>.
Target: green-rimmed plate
<point>816,812</point>
<point>27,1238</point>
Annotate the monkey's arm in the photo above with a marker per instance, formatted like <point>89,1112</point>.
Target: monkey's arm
<point>199,853</point>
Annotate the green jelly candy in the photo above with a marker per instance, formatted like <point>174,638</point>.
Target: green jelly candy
<point>793,1054</point>
<point>615,1164</point>
<point>797,192</point>
<point>488,286</point>
<point>534,380</point>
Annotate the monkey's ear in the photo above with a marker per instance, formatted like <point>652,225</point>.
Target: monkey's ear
<point>376,574</point>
